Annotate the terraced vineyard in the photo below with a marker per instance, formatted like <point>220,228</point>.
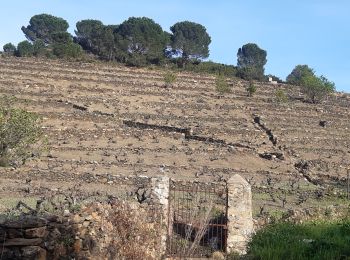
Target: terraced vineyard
<point>106,119</point>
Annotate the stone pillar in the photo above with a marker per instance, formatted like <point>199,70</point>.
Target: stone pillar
<point>240,219</point>
<point>160,197</point>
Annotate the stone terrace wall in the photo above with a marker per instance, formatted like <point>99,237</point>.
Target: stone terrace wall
<point>34,238</point>
<point>118,230</point>
<point>76,234</point>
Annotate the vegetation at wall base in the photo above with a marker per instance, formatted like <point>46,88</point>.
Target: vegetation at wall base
<point>43,27</point>
<point>190,41</point>
<point>312,240</point>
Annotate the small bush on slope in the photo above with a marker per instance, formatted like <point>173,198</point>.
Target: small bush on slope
<point>19,131</point>
<point>221,85</point>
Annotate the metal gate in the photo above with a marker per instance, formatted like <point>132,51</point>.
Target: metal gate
<point>197,219</point>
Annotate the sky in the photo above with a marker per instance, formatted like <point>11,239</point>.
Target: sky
<point>312,32</point>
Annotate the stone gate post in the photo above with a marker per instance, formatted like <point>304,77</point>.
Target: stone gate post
<point>240,219</point>
<point>160,197</point>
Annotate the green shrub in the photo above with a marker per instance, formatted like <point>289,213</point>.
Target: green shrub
<point>25,49</point>
<point>281,96</point>
<point>212,68</point>
<point>324,240</point>
<point>221,85</point>
<point>251,89</point>
<point>136,60</point>
<point>205,67</point>
<point>19,130</point>
<point>169,79</point>
<point>316,88</point>
<point>251,73</point>
<point>67,50</point>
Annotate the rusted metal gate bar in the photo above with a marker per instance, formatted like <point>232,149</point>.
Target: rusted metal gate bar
<point>197,219</point>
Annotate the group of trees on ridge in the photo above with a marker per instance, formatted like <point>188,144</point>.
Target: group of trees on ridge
<point>139,41</point>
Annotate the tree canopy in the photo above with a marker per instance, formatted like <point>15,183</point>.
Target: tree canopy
<point>190,40</point>
<point>9,48</point>
<point>62,37</point>
<point>87,34</point>
<point>50,38</point>
<point>137,41</point>
<point>39,48</point>
<point>251,61</point>
<point>299,73</point>
<point>97,38</point>
<point>43,26</point>
<point>142,36</point>
<point>316,88</point>
<point>140,40</point>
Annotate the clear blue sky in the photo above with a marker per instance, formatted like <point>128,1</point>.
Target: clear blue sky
<point>313,32</point>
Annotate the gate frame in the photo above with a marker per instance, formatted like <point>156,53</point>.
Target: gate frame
<point>220,228</point>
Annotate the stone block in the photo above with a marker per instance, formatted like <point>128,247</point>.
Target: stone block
<point>29,222</point>
<point>2,234</point>
<point>36,232</point>
<point>23,242</point>
<point>13,233</point>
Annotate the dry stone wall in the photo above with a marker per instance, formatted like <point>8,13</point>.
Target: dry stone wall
<point>89,232</point>
<point>117,230</point>
<point>34,238</point>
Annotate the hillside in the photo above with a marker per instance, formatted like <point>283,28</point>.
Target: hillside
<point>91,114</point>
